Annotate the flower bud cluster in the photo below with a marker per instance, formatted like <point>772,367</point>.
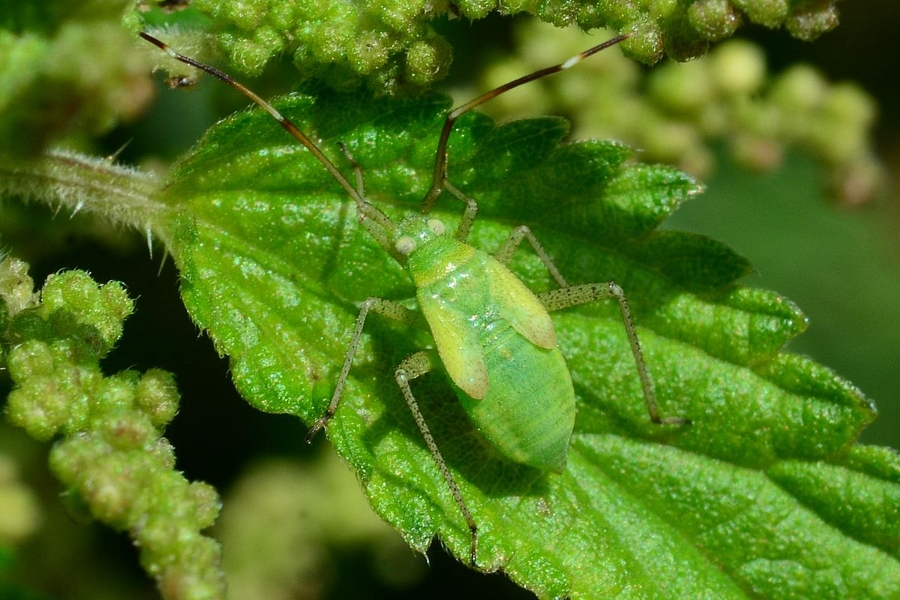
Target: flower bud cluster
<point>109,452</point>
<point>679,112</point>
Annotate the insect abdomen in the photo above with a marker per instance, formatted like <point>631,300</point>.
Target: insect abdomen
<point>528,413</point>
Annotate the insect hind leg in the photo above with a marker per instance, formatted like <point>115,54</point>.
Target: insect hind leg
<point>577,295</point>
<point>567,296</point>
<point>414,366</point>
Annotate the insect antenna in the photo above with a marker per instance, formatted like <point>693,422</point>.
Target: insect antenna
<point>440,158</point>
<point>366,210</point>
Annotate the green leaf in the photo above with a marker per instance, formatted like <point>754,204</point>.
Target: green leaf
<point>745,502</point>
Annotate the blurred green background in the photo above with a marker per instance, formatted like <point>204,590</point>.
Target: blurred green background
<point>841,265</point>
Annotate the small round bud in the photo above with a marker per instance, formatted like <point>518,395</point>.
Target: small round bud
<point>157,395</point>
<point>799,89</point>
<point>738,68</point>
<point>770,13</point>
<point>809,22</point>
<point>681,87</point>
<point>714,19</point>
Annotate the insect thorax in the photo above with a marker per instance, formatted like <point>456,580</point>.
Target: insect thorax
<point>431,253</point>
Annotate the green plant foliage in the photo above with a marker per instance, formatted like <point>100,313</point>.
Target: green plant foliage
<point>680,113</point>
<point>111,458</point>
<point>393,46</point>
<point>273,263</point>
<point>317,507</point>
<point>123,195</point>
<point>55,89</point>
<point>51,87</point>
<point>19,511</point>
<point>766,494</point>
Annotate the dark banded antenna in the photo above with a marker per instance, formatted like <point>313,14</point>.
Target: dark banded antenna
<point>440,158</point>
<point>363,205</point>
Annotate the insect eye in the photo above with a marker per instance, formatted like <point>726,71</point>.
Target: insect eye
<point>405,245</point>
<point>436,226</point>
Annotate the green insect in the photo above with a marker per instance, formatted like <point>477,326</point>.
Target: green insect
<point>492,335</point>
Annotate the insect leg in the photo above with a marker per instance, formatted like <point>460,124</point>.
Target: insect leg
<point>567,296</point>
<point>412,367</point>
<point>383,235</point>
<point>357,170</point>
<point>465,223</point>
<point>591,292</point>
<point>384,307</point>
<point>515,238</point>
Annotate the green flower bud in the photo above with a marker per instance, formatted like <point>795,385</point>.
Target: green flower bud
<point>713,19</point>
<point>157,395</point>
<point>16,286</point>
<point>681,87</point>
<point>738,68</point>
<point>770,13</point>
<point>809,22</point>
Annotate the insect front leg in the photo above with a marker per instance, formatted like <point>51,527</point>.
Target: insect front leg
<point>591,292</point>
<point>465,223</point>
<point>504,254</point>
<point>412,367</point>
<point>384,307</point>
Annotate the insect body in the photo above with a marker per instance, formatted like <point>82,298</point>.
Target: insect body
<point>489,330</point>
<point>492,335</point>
